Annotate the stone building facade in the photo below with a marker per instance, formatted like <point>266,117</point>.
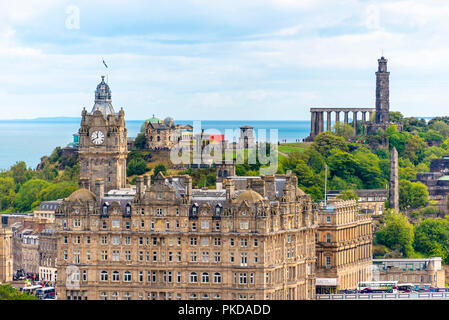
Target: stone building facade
<point>370,201</point>
<point>164,135</point>
<point>47,256</point>
<point>344,246</point>
<point>6,255</point>
<point>169,241</point>
<point>103,142</point>
<point>46,211</point>
<point>30,253</point>
<point>437,179</point>
<point>421,273</point>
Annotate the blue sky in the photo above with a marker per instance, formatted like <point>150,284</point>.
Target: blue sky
<point>213,60</point>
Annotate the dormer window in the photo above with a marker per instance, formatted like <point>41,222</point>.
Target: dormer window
<point>217,212</point>
<point>104,210</point>
<point>128,210</point>
<point>194,211</point>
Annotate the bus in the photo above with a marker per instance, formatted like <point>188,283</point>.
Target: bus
<point>46,293</point>
<point>378,287</point>
<point>30,289</point>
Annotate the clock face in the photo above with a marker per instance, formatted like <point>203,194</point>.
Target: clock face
<point>97,137</point>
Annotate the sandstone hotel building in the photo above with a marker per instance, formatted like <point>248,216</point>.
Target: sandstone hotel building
<point>251,238</point>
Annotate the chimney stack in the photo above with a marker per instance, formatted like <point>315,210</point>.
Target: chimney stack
<point>147,181</point>
<point>139,186</point>
<point>230,188</point>
<point>99,189</point>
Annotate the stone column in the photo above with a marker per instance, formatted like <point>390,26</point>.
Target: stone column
<point>394,180</point>
<point>363,117</point>
<point>329,114</point>
<point>337,116</point>
<point>321,121</point>
<point>369,115</point>
<point>354,121</point>
<point>313,124</point>
<point>346,116</point>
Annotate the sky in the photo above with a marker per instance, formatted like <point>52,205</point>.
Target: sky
<point>221,60</point>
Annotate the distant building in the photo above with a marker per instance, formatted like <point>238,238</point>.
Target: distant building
<point>46,210</point>
<point>422,273</point>
<point>6,255</point>
<point>343,247</point>
<point>48,256</point>
<point>437,179</point>
<point>370,201</point>
<point>246,139</point>
<point>164,135</point>
<point>30,253</point>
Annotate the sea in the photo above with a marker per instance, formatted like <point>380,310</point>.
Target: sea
<point>29,140</point>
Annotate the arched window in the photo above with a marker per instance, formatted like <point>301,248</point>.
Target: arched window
<point>115,295</point>
<point>115,276</point>
<point>219,173</point>
<point>217,277</point>
<point>103,276</point>
<point>205,277</point>
<point>127,276</point>
<point>328,237</point>
<point>225,173</point>
<point>193,277</point>
<point>158,138</point>
<point>151,138</point>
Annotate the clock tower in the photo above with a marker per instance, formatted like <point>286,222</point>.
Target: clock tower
<point>102,142</point>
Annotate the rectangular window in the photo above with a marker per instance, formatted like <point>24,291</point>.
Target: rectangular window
<point>204,224</point>
<point>116,240</point>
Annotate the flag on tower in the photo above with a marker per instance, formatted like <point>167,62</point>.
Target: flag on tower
<point>105,64</point>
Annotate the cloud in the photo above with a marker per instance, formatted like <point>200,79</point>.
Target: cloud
<point>233,59</point>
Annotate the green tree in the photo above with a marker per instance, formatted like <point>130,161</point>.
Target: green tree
<point>414,149</point>
<point>396,233</point>
<point>342,164</point>
<point>140,141</point>
<point>412,194</point>
<point>159,168</point>
<point>136,166</point>
<point>326,141</point>
<point>432,238</point>
<point>19,173</point>
<point>58,191</point>
<point>441,127</point>
<point>7,193</point>
<point>396,116</point>
<point>343,130</point>
<point>28,196</point>
<point>7,292</point>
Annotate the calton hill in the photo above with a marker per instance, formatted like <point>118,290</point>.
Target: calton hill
<point>420,229</point>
